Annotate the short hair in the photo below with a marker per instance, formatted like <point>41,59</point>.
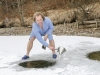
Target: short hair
<point>37,14</point>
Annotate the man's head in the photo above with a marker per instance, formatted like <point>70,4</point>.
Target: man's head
<point>38,17</point>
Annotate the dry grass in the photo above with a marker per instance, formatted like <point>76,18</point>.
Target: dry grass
<point>61,16</point>
<point>31,6</point>
<point>59,11</point>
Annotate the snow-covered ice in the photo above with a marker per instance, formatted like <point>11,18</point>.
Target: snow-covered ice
<point>73,62</point>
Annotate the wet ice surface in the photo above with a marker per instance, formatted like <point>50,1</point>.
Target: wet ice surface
<point>73,62</point>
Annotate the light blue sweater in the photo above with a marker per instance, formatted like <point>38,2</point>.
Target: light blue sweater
<point>38,32</point>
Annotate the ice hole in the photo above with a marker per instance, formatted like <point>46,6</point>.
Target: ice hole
<point>37,64</point>
<point>94,55</point>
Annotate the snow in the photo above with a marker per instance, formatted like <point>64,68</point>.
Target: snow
<point>73,62</point>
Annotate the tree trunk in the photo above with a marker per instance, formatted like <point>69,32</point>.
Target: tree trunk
<point>20,8</point>
<point>6,5</point>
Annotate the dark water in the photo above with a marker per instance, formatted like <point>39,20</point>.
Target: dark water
<point>37,64</point>
<point>94,55</point>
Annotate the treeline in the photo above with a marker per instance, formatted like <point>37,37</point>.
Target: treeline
<point>26,8</point>
<point>11,6</point>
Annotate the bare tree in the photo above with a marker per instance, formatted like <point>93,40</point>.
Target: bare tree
<point>6,5</point>
<point>20,8</point>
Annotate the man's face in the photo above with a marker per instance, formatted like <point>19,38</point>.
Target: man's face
<point>39,20</point>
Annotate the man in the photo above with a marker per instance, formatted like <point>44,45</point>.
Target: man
<point>42,26</point>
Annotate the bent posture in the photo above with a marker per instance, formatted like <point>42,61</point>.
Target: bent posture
<point>42,26</point>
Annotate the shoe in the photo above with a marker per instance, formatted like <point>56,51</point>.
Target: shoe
<point>54,56</point>
<point>25,57</point>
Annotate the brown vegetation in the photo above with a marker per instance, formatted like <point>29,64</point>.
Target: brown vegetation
<point>60,12</point>
<point>31,6</point>
<point>90,12</point>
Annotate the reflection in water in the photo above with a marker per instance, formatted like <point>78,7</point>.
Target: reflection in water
<point>37,64</point>
<point>94,55</point>
<point>28,64</point>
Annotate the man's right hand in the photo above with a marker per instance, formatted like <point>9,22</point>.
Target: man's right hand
<point>43,47</point>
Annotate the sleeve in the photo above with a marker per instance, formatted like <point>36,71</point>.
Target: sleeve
<point>38,36</point>
<point>40,39</point>
<point>51,27</point>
